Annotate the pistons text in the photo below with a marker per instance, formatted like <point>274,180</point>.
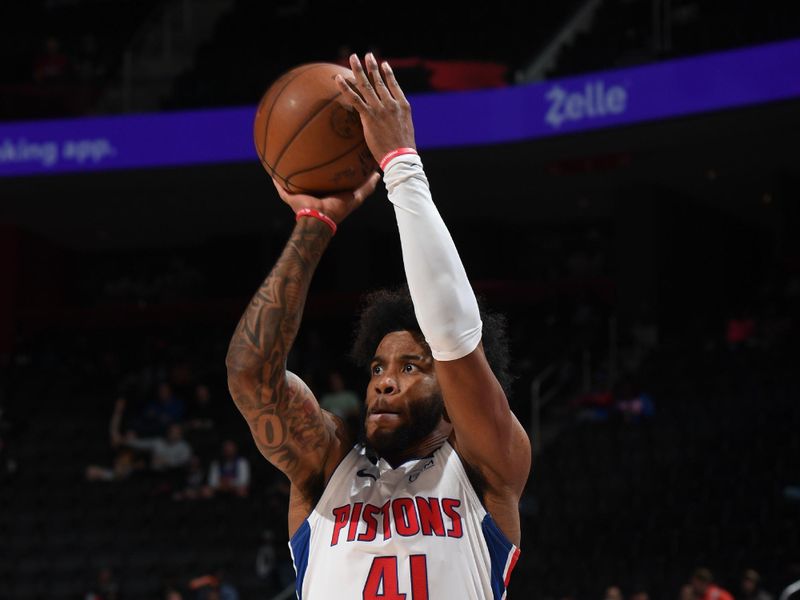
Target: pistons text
<point>402,516</point>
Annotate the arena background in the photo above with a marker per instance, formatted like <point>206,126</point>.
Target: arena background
<point>650,272</point>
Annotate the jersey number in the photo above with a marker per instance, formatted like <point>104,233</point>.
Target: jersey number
<point>382,579</point>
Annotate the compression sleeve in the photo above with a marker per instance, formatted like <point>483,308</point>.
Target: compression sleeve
<point>444,303</point>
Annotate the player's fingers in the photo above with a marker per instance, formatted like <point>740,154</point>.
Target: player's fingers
<point>281,190</point>
<point>391,83</point>
<point>362,81</point>
<point>375,77</point>
<point>286,196</point>
<point>366,189</point>
<point>350,93</point>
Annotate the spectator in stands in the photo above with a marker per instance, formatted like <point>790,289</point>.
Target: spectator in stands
<point>203,419</point>
<point>704,588</point>
<point>194,484</point>
<point>633,404</point>
<point>276,504</point>
<point>751,588</point>
<point>740,331</point>
<point>230,474</point>
<point>266,556</point>
<point>105,588</point>
<point>339,400</point>
<point>172,593</point>
<point>52,65</point>
<point>613,593</point>
<point>166,453</point>
<point>687,592</point>
<point>273,562</point>
<point>165,410</point>
<point>214,586</point>
<point>226,591</point>
<point>125,462</point>
<point>639,594</point>
<point>202,414</point>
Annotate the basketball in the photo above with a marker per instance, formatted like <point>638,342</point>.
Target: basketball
<point>306,137</point>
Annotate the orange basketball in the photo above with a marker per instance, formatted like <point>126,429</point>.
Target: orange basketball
<point>306,137</point>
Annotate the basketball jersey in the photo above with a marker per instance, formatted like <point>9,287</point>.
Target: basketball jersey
<point>417,532</point>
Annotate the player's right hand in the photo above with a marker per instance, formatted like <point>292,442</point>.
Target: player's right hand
<point>384,110</point>
<point>336,206</point>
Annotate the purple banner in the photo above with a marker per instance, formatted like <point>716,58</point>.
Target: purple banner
<point>605,99</point>
<point>130,141</point>
<point>610,98</point>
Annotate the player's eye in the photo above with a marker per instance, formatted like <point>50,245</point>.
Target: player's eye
<point>409,368</point>
<point>377,370</point>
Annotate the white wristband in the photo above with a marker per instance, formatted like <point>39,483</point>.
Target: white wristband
<point>444,302</point>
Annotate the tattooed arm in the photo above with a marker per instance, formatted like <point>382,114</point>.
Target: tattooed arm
<point>287,424</point>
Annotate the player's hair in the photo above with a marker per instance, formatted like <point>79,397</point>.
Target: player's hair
<point>388,310</point>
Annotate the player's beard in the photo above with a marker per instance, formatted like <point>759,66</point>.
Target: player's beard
<point>423,418</point>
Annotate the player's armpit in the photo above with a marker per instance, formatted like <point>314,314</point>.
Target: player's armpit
<point>488,435</point>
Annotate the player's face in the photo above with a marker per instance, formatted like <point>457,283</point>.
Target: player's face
<point>404,402</point>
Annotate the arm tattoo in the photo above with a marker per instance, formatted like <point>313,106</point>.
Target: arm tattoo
<point>285,419</point>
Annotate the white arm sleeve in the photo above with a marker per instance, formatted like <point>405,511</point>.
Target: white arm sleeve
<point>444,302</point>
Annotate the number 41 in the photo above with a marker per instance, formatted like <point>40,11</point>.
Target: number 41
<point>382,579</point>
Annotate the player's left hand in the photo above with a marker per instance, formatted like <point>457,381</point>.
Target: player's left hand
<point>336,206</point>
<point>384,110</point>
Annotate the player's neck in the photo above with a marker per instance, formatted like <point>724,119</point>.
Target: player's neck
<point>424,447</point>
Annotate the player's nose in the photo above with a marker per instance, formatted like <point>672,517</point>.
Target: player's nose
<point>386,385</point>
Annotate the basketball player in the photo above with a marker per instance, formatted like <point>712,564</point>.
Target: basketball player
<point>426,507</point>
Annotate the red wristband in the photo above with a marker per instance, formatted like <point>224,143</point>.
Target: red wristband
<point>310,212</point>
<point>394,153</point>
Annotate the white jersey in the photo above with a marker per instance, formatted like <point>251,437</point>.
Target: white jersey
<point>417,532</point>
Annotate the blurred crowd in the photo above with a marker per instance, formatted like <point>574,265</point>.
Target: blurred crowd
<point>181,436</point>
<point>156,396</point>
<point>55,65</point>
<point>702,586</point>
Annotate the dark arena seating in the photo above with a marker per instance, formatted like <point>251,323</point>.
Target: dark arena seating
<point>87,38</point>
<point>632,32</point>
<point>257,41</point>
<point>615,497</point>
<point>648,269</point>
<point>642,504</point>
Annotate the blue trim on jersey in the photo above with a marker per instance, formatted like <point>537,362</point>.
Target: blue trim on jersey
<point>499,548</point>
<point>299,545</point>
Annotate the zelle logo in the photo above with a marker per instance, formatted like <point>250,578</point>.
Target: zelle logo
<point>595,100</point>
